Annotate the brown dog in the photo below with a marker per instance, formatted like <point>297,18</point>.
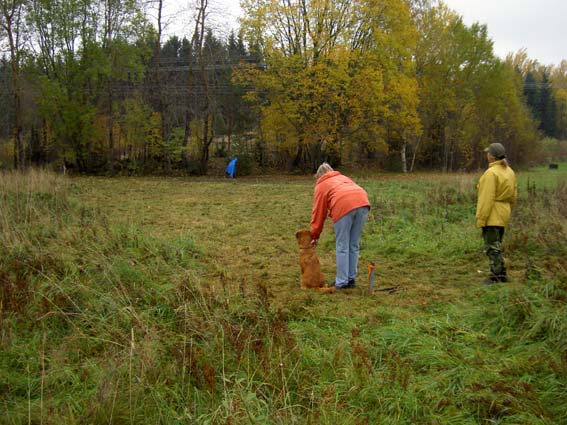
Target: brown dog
<point>311,276</point>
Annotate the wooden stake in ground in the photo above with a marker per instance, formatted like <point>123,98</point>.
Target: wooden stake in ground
<point>371,276</point>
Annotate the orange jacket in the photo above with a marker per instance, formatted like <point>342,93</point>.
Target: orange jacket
<point>339,195</point>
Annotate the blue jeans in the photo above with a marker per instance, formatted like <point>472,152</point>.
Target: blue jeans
<point>347,233</point>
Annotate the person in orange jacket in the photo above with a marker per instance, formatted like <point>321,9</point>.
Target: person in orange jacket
<point>497,193</point>
<point>347,204</point>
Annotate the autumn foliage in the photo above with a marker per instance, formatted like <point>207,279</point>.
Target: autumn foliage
<point>388,84</point>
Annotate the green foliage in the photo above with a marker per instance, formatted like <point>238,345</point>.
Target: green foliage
<point>72,125</point>
<point>469,99</point>
<point>244,165</point>
<point>552,151</point>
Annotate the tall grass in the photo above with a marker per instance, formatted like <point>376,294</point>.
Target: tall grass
<point>103,321</point>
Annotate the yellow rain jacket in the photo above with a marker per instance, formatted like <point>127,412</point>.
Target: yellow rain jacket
<point>497,193</point>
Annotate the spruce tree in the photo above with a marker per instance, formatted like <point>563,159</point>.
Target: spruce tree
<point>548,108</point>
<point>532,95</point>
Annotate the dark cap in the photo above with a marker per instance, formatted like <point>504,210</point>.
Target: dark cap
<point>496,150</point>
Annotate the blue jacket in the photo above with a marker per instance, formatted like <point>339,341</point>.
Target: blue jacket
<point>231,167</point>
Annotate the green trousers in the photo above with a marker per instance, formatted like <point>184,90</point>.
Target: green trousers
<point>492,236</point>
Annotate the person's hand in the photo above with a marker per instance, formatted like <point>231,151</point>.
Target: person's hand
<point>314,242</point>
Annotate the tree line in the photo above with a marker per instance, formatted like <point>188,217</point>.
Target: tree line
<point>93,85</point>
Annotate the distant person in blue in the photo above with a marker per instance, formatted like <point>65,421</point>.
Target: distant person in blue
<point>231,168</point>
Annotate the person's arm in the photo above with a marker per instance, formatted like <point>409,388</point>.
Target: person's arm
<point>486,195</point>
<point>318,213</point>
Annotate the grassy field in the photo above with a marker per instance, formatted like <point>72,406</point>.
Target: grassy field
<point>177,301</point>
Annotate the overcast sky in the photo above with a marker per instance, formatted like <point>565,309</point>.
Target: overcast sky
<point>540,26</point>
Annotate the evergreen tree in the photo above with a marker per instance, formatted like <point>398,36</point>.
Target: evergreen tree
<point>532,95</point>
<point>547,107</point>
<point>171,49</point>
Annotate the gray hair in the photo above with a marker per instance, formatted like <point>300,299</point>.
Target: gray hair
<point>324,168</point>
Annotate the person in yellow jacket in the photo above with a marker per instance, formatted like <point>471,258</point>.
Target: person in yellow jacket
<point>497,193</point>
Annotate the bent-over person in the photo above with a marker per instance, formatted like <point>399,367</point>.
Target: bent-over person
<point>347,204</point>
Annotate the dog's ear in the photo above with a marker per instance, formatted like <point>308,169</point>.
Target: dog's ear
<point>297,234</point>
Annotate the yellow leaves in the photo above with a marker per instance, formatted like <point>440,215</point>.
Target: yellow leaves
<point>337,71</point>
<point>402,99</point>
<point>276,129</point>
<point>247,76</point>
<point>366,97</point>
<point>385,28</point>
<point>561,108</point>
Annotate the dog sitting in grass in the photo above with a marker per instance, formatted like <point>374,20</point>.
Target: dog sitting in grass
<point>311,276</point>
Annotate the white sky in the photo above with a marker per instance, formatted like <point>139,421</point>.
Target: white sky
<point>222,16</point>
<point>539,26</point>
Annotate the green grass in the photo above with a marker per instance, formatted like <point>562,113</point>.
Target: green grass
<point>152,300</point>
